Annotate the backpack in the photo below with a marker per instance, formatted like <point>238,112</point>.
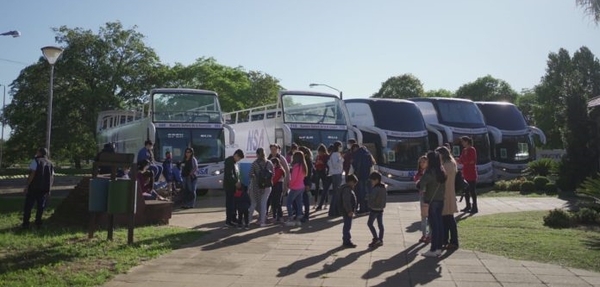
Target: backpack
<point>43,175</point>
<point>265,177</point>
<point>460,184</point>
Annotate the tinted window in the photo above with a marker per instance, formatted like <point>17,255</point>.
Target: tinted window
<point>207,144</point>
<point>459,113</point>
<point>397,116</point>
<point>504,117</point>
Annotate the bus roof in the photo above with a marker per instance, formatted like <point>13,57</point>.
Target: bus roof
<point>182,90</point>
<point>437,99</point>
<point>389,114</point>
<point>306,93</point>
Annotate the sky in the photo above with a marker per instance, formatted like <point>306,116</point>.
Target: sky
<point>350,45</point>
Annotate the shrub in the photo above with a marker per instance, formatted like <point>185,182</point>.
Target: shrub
<point>587,216</point>
<point>551,188</point>
<point>591,187</point>
<point>501,185</point>
<point>527,187</point>
<point>558,218</point>
<point>540,182</point>
<point>515,184</point>
<point>542,166</point>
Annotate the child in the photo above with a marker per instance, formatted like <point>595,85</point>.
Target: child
<point>422,166</point>
<point>168,171</point>
<point>145,180</point>
<point>242,204</point>
<point>347,206</point>
<point>177,178</point>
<point>277,190</point>
<point>377,200</point>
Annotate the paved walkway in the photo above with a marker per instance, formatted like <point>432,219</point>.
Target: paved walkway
<point>311,255</point>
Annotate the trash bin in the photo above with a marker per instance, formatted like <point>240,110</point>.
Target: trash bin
<point>119,196</point>
<point>98,194</point>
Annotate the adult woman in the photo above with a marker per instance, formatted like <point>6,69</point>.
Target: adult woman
<point>190,166</point>
<point>421,167</point>
<point>450,233</point>
<point>294,198</point>
<point>307,181</point>
<point>468,159</point>
<point>336,167</point>
<point>433,185</point>
<point>260,194</point>
<point>321,175</point>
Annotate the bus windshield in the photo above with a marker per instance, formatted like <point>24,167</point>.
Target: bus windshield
<point>513,149</point>
<point>186,107</point>
<point>460,114</point>
<point>481,144</point>
<point>503,116</point>
<point>207,144</point>
<point>403,153</point>
<point>312,109</point>
<point>397,116</point>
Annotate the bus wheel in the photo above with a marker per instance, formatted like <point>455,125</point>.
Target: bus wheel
<point>201,192</point>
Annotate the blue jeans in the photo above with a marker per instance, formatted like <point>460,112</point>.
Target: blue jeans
<point>294,202</point>
<point>436,225</point>
<point>32,198</point>
<point>156,170</point>
<point>190,186</point>
<point>379,216</point>
<point>306,201</point>
<point>346,229</point>
<point>363,188</point>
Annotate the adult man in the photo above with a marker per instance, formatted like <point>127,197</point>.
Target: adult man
<point>39,183</point>
<point>231,183</point>
<point>146,153</point>
<point>362,162</point>
<point>468,159</point>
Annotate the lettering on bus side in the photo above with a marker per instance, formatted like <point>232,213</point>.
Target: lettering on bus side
<point>256,139</point>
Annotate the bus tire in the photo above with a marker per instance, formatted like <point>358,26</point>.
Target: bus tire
<point>201,192</point>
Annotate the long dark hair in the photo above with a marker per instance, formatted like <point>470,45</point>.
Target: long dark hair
<point>298,158</point>
<point>445,154</point>
<point>434,166</point>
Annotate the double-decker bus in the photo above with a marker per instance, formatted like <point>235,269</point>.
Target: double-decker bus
<point>174,120</point>
<point>305,118</point>
<point>395,133</point>
<point>512,144</point>
<point>455,118</point>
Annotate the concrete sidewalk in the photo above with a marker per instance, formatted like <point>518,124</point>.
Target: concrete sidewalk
<point>311,255</point>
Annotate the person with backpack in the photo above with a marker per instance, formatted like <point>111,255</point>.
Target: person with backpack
<point>362,162</point>
<point>231,183</point>
<point>377,201</point>
<point>261,175</point>
<point>347,207</point>
<point>433,185</point>
<point>39,183</point>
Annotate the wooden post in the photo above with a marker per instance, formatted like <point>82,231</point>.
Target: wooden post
<point>133,199</point>
<point>94,216</point>
<point>111,217</point>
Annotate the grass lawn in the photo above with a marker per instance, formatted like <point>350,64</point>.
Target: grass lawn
<point>61,256</point>
<point>522,235</point>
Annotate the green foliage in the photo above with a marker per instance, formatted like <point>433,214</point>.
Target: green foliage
<point>551,188</point>
<point>487,88</point>
<point>527,187</point>
<point>591,8</point>
<point>591,187</point>
<point>501,185</point>
<point>558,218</point>
<point>509,185</point>
<point>526,101</point>
<point>441,93</point>
<point>401,87</point>
<point>540,182</point>
<point>542,166</point>
<point>587,216</point>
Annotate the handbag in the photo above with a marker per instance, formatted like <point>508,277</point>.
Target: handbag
<point>425,205</point>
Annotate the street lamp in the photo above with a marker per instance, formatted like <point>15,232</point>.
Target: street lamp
<point>325,85</point>
<point>51,54</point>
<point>14,34</point>
<point>3,115</point>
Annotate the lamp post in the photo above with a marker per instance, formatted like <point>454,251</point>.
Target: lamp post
<point>2,135</point>
<point>51,54</point>
<point>325,85</point>
<point>14,34</point>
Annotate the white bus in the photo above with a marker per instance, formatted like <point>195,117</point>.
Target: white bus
<point>174,120</point>
<point>396,135</point>
<point>455,118</point>
<point>305,118</point>
<point>512,144</point>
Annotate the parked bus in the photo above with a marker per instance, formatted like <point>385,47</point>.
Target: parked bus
<point>304,118</point>
<point>455,118</point>
<point>395,133</point>
<point>512,144</point>
<point>173,120</point>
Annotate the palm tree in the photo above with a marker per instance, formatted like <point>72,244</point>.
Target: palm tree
<point>591,7</point>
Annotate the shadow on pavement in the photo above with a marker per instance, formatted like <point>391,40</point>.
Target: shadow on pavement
<point>395,262</point>
<point>306,262</point>
<point>338,263</point>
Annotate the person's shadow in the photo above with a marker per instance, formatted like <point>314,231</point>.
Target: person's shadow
<point>395,262</point>
<point>338,263</point>
<point>306,262</point>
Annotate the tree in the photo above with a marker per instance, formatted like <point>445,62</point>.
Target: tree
<point>401,87</point>
<point>591,7</point>
<point>108,70</point>
<point>487,88</point>
<point>441,93</point>
<point>526,103</point>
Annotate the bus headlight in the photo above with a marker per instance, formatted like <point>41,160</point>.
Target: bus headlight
<point>218,172</point>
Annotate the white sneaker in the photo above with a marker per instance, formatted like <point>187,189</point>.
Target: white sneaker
<point>436,253</point>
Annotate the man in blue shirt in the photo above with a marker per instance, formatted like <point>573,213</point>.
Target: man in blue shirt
<point>146,154</point>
